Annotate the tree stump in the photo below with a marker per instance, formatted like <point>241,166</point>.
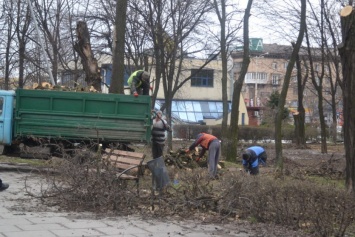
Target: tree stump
<point>83,48</point>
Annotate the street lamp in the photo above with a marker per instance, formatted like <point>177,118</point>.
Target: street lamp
<point>256,77</point>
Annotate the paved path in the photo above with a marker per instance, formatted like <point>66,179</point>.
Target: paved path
<point>23,216</point>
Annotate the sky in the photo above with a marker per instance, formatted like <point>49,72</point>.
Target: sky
<point>256,21</point>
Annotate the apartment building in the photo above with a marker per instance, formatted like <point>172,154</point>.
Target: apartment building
<point>266,72</point>
<point>198,101</point>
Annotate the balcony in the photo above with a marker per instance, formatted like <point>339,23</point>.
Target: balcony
<point>255,81</point>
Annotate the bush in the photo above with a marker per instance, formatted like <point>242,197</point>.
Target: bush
<point>322,210</point>
<point>246,133</point>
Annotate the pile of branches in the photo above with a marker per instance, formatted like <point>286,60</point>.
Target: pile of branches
<point>183,160</point>
<point>80,184</point>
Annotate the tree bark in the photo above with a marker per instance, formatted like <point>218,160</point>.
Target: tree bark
<point>347,54</point>
<point>83,48</point>
<point>119,48</point>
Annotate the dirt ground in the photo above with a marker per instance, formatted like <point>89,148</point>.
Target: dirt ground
<point>299,162</point>
<point>310,160</point>
<point>296,162</point>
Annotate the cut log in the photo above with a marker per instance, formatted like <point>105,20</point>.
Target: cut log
<point>346,11</point>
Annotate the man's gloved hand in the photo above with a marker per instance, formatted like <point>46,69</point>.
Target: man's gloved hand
<point>135,94</point>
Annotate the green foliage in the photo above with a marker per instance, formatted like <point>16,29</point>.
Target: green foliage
<point>273,103</point>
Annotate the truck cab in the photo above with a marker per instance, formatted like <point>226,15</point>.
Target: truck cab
<point>6,116</point>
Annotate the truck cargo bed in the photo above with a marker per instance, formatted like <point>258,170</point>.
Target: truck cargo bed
<point>82,116</point>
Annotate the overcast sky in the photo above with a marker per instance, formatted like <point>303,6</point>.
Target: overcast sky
<point>256,22</point>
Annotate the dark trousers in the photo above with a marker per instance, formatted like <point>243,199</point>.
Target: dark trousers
<point>254,171</point>
<point>157,150</point>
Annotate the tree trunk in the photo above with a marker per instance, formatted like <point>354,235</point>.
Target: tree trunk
<point>233,135</point>
<point>83,48</point>
<point>119,48</point>
<point>281,105</point>
<point>347,54</point>
<point>299,126</point>
<point>221,14</point>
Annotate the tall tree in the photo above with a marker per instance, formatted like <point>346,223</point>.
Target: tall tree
<point>22,30</point>
<point>9,36</point>
<point>237,88</point>
<point>317,75</point>
<point>173,26</point>
<point>118,69</point>
<point>300,116</point>
<point>347,54</point>
<point>227,35</point>
<point>279,113</point>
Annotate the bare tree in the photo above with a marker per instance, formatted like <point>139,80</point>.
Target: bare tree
<point>227,35</point>
<point>333,63</point>
<point>347,54</point>
<point>237,88</point>
<point>318,74</point>
<point>22,30</point>
<point>299,117</point>
<point>8,32</point>
<point>279,113</point>
<point>173,26</point>
<point>119,48</point>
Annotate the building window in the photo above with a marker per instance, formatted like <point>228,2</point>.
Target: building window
<point>195,111</point>
<point>253,77</point>
<point>237,66</point>
<point>275,79</point>
<point>203,78</point>
<point>285,65</point>
<point>274,65</point>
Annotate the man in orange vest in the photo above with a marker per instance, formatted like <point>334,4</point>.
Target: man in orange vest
<point>212,144</point>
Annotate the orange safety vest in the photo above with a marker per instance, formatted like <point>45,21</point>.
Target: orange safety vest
<point>205,140</point>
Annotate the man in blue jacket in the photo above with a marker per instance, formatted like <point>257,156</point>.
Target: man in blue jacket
<point>252,157</point>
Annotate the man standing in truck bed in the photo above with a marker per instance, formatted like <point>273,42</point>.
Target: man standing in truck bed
<point>139,83</point>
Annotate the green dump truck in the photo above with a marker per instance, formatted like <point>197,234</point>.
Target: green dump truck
<point>31,115</point>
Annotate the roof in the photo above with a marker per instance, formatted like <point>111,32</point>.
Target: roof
<point>274,51</point>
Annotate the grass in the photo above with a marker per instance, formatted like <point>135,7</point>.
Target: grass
<point>323,180</point>
<point>20,161</point>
